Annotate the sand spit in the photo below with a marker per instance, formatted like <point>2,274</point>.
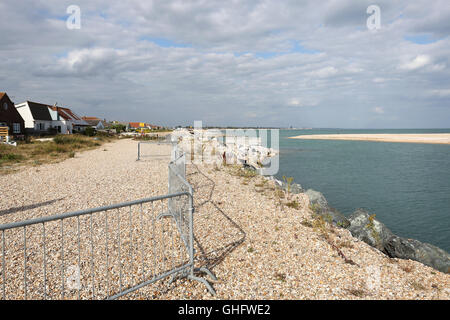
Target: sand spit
<point>257,248</point>
<point>436,138</point>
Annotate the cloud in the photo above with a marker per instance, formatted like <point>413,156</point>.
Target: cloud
<point>296,102</point>
<point>440,92</point>
<point>378,110</point>
<point>232,63</point>
<point>417,62</point>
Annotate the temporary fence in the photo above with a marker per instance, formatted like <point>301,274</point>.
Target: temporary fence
<point>144,149</point>
<point>105,252</point>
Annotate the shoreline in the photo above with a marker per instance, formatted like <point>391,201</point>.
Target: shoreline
<point>430,138</point>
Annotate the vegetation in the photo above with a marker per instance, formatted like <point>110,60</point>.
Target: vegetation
<point>89,131</point>
<point>357,292</point>
<point>34,152</point>
<point>371,227</point>
<point>239,171</point>
<point>293,204</point>
<point>417,286</point>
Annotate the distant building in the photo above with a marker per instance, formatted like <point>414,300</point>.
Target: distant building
<point>96,123</point>
<point>143,125</point>
<point>10,117</point>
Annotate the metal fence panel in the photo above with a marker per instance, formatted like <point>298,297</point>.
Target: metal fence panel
<point>105,252</point>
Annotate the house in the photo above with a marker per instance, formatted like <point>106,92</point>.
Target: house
<point>67,120</point>
<point>10,117</point>
<point>138,125</point>
<point>36,116</point>
<point>43,118</point>
<point>96,123</point>
<point>142,126</point>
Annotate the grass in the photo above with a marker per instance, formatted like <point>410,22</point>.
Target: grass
<point>240,171</point>
<point>345,244</point>
<point>293,204</point>
<point>37,152</point>
<point>357,292</point>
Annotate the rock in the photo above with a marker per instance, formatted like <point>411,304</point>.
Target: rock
<point>321,207</point>
<point>338,219</point>
<point>317,199</point>
<point>295,188</point>
<point>368,229</point>
<point>397,247</point>
<point>379,236</point>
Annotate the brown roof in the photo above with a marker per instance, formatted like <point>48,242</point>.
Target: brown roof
<point>91,118</point>
<point>135,124</point>
<point>2,94</point>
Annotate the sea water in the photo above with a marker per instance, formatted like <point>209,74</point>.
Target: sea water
<point>407,185</point>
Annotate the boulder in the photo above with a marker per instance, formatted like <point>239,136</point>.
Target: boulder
<point>337,218</point>
<point>321,207</point>
<point>368,229</point>
<point>432,256</point>
<point>295,188</point>
<point>317,199</point>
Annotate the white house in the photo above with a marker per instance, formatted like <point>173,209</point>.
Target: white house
<point>67,120</point>
<point>39,118</point>
<point>36,116</point>
<point>96,123</point>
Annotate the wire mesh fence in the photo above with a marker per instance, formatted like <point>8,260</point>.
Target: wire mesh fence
<point>105,252</point>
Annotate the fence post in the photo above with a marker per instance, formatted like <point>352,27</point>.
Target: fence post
<point>191,231</point>
<point>139,151</point>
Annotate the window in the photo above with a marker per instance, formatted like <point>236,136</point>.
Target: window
<point>16,127</point>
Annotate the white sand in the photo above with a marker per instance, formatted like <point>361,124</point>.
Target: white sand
<point>437,138</point>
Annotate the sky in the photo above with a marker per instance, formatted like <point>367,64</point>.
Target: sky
<point>233,63</point>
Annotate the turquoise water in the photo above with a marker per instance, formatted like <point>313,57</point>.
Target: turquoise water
<point>406,185</point>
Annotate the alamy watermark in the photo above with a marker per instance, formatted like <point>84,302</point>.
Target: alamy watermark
<point>255,147</point>
<point>74,20</point>
<point>374,20</point>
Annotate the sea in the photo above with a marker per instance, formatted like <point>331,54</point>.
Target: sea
<point>406,185</point>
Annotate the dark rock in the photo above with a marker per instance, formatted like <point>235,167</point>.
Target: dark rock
<point>368,229</point>
<point>379,236</point>
<point>321,207</point>
<point>338,219</point>
<point>397,247</point>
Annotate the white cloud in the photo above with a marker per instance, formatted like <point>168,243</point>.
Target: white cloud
<point>323,72</point>
<point>417,62</point>
<point>440,92</point>
<point>378,110</point>
<point>296,102</point>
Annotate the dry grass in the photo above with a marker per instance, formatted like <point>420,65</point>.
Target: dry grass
<point>357,292</point>
<point>36,152</point>
<point>417,286</point>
